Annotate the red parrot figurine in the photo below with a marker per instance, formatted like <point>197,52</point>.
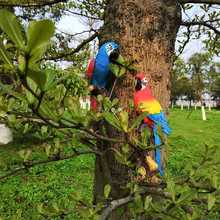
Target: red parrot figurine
<point>144,101</point>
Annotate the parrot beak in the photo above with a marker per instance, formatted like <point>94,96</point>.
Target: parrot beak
<point>114,54</point>
<point>144,82</point>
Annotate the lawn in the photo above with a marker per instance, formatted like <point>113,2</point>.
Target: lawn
<point>57,184</point>
<point>190,135</point>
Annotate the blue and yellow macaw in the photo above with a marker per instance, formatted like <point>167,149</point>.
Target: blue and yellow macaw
<point>101,74</point>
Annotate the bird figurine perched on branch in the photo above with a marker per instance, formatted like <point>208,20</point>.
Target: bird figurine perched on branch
<point>104,70</point>
<point>99,68</point>
<point>144,101</point>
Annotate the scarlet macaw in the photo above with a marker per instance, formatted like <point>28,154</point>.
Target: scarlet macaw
<point>144,101</point>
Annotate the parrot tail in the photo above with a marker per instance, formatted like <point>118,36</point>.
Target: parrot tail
<point>159,161</point>
<point>160,120</point>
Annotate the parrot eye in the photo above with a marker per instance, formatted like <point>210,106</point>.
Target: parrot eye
<point>138,85</point>
<point>109,49</point>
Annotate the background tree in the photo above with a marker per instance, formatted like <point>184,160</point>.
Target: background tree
<point>198,63</point>
<point>212,80</point>
<point>180,84</point>
<point>215,89</point>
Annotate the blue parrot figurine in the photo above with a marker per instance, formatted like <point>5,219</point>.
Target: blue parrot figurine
<point>101,73</point>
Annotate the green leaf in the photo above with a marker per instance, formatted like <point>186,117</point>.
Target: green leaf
<point>30,97</point>
<point>26,128</point>
<point>107,104</point>
<point>147,202</point>
<point>48,150</point>
<point>43,130</point>
<point>55,207</point>
<point>78,114</point>
<point>211,201</point>
<point>9,90</point>
<point>186,196</point>
<point>22,64</point>
<point>38,77</point>
<point>117,70</point>
<point>112,119</point>
<point>10,25</point>
<point>115,101</point>
<point>25,154</point>
<point>47,112</point>
<point>139,204</point>
<point>17,215</point>
<point>124,120</point>
<point>121,158</point>
<point>38,37</point>
<point>171,189</point>
<point>50,80</point>
<point>40,208</point>
<point>107,190</point>
<point>121,60</point>
<point>99,98</point>
<point>214,181</point>
<point>5,56</point>
<point>136,122</point>
<point>144,136</point>
<point>125,149</point>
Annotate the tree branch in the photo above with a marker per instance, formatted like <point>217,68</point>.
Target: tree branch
<point>203,23</point>
<point>29,164</point>
<point>29,3</point>
<point>186,41</point>
<point>76,50</point>
<point>79,33</point>
<point>123,201</point>
<point>154,191</point>
<point>217,2</point>
<point>103,138</point>
<point>114,205</point>
<point>83,15</point>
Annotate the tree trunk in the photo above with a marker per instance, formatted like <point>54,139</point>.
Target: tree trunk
<point>146,31</point>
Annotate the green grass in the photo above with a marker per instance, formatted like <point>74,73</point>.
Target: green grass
<point>61,182</point>
<point>190,135</point>
<point>58,183</point>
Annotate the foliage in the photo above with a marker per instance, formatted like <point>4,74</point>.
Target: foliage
<point>46,186</point>
<point>197,76</point>
<point>44,102</point>
<point>200,22</point>
<point>212,81</point>
<point>44,190</point>
<point>216,88</point>
<point>180,83</point>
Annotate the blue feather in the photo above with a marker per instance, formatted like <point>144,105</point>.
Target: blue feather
<point>102,71</point>
<point>159,120</point>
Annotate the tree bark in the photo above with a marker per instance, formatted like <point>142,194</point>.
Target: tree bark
<point>146,31</point>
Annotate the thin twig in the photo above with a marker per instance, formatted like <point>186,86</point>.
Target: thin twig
<point>76,50</point>
<point>29,3</point>
<point>30,164</point>
<point>83,15</point>
<point>202,23</point>
<point>210,2</point>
